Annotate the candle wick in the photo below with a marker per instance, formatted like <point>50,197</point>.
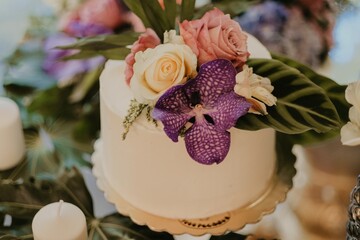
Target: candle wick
<point>59,208</point>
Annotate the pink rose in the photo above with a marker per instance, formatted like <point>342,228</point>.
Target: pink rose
<point>148,39</point>
<point>107,13</point>
<point>214,36</point>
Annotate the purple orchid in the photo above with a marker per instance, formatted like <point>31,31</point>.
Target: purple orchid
<point>208,102</point>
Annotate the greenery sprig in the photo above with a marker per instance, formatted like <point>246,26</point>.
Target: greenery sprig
<point>134,111</point>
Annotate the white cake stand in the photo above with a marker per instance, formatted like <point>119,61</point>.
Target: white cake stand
<point>214,225</point>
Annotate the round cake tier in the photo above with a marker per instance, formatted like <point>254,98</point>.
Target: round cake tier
<point>156,175</point>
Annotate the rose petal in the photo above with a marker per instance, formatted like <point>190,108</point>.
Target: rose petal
<point>229,107</point>
<point>213,16</point>
<point>205,144</point>
<point>189,35</point>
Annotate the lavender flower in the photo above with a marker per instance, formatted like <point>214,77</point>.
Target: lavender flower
<point>208,102</point>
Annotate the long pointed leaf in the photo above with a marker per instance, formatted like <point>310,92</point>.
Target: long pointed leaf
<point>136,7</point>
<point>187,10</point>
<point>103,42</point>
<point>170,11</point>
<point>115,53</point>
<point>301,104</point>
<point>156,16</point>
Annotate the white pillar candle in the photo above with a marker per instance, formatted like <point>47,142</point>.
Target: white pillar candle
<point>59,221</point>
<point>12,144</point>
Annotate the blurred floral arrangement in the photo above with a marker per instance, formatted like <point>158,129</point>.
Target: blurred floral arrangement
<point>301,30</point>
<point>60,106</point>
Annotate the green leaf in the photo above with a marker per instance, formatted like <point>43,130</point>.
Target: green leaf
<point>170,11</point>
<point>87,128</point>
<point>285,156</point>
<point>103,42</point>
<point>83,87</point>
<point>83,54</point>
<point>136,7</point>
<point>157,17</point>
<point>115,53</point>
<point>301,105</point>
<point>53,147</point>
<point>110,46</point>
<point>116,226</point>
<point>53,103</point>
<point>232,7</point>
<point>23,199</point>
<point>25,70</point>
<point>336,94</point>
<point>187,10</point>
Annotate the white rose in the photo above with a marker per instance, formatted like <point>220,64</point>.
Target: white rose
<point>350,132</point>
<point>352,94</point>
<point>157,69</point>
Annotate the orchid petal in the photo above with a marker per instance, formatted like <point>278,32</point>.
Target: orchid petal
<point>228,109</point>
<point>213,80</point>
<point>205,144</point>
<point>209,95</point>
<point>171,109</point>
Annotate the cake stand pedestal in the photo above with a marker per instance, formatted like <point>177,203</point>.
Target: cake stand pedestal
<point>219,224</point>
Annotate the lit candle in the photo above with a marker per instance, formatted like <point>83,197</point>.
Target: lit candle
<point>12,144</point>
<point>59,221</point>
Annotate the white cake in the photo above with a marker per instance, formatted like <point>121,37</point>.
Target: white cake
<point>157,176</point>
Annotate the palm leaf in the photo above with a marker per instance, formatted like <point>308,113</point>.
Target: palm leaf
<point>187,10</point>
<point>115,54</point>
<point>170,11</point>
<point>103,42</point>
<point>301,104</point>
<point>136,7</point>
<point>157,17</point>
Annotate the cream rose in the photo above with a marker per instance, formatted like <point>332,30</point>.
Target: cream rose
<point>157,69</point>
<point>256,89</point>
